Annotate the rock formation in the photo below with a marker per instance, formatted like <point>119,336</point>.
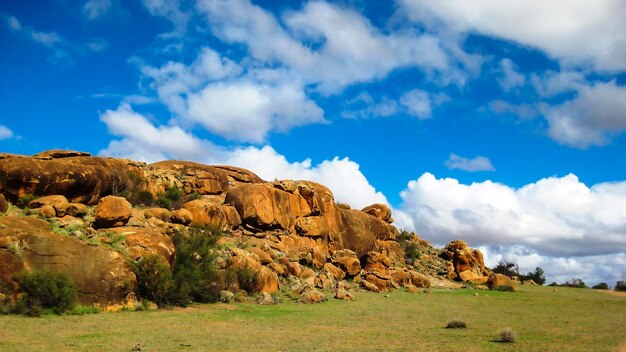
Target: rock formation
<point>292,234</point>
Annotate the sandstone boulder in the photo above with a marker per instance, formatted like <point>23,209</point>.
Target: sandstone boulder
<point>347,261</point>
<point>112,211</point>
<point>101,274</point>
<point>264,207</point>
<point>59,203</point>
<point>465,260</point>
<point>206,213</point>
<point>312,295</point>
<point>499,282</point>
<point>77,176</point>
<point>359,231</point>
<point>158,213</point>
<point>139,242</point>
<point>77,210</point>
<point>47,211</point>
<point>181,216</point>
<point>4,204</point>
<point>379,211</point>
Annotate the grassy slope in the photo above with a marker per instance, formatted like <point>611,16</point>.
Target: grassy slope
<point>566,320</point>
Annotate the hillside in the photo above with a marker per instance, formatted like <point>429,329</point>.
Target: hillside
<point>93,217</point>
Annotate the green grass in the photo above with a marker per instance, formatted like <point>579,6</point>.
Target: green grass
<point>567,320</point>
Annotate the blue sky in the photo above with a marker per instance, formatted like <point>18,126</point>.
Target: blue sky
<point>502,124</point>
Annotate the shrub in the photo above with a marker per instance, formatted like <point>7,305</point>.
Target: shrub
<point>456,324</point>
<point>172,198</point>
<point>577,283</point>
<point>407,242</point>
<point>247,278</point>
<point>194,277</point>
<point>620,286</point>
<point>154,280</point>
<point>23,200</point>
<point>46,290</point>
<point>507,335</point>
<point>195,274</point>
<point>601,286</point>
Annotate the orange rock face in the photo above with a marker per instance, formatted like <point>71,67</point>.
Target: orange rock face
<point>100,274</point>
<point>468,263</point>
<point>112,211</point>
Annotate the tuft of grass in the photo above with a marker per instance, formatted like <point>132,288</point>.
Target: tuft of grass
<point>456,324</point>
<point>507,335</point>
<point>83,310</point>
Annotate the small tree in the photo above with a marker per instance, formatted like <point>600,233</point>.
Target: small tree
<point>507,268</point>
<point>46,290</point>
<point>620,286</point>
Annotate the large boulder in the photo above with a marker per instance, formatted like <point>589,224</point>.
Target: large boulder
<point>468,263</point>
<point>101,274</point>
<point>58,202</point>
<point>359,231</point>
<point>112,211</point>
<point>379,211</point>
<point>500,282</point>
<point>264,207</point>
<point>78,176</point>
<point>139,242</point>
<point>205,212</point>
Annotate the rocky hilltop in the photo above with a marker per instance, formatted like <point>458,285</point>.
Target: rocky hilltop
<point>92,217</point>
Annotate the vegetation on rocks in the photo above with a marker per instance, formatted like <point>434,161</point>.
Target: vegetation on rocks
<point>45,290</point>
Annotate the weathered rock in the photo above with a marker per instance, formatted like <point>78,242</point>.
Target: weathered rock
<point>77,210</point>
<point>379,211</point>
<point>112,211</point>
<point>499,282</point>
<point>139,242</point>
<point>344,295</point>
<point>206,212</point>
<point>347,261</point>
<point>311,226</point>
<point>334,271</point>
<point>158,213</point>
<point>181,216</point>
<point>312,296</point>
<point>101,275</point>
<point>359,231</point>
<point>265,299</point>
<point>464,259</point>
<point>77,176</point>
<point>47,211</point>
<point>412,289</point>
<point>264,258</point>
<point>419,280</point>
<point>382,284</point>
<point>4,204</point>
<point>264,207</point>
<point>59,203</point>
<point>59,153</point>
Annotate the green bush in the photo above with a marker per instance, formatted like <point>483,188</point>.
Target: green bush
<point>46,290</point>
<point>194,277</point>
<point>601,286</point>
<point>195,274</point>
<point>577,283</point>
<point>247,278</point>
<point>23,200</point>
<point>411,249</point>
<point>172,198</point>
<point>620,286</point>
<point>154,280</point>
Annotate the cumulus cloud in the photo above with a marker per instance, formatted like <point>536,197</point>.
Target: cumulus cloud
<point>5,132</point>
<point>524,111</point>
<point>556,216</point>
<point>417,103</point>
<point>479,163</point>
<point>345,44</point>
<point>171,10</point>
<point>593,117</point>
<point>510,78</point>
<point>573,31</point>
<point>141,139</point>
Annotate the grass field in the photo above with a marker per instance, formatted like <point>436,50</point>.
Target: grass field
<point>566,320</point>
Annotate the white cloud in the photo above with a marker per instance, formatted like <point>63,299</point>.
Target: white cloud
<point>5,133</point>
<point>479,163</point>
<point>365,106</point>
<point>345,44</point>
<point>524,111</point>
<point>247,111</point>
<point>142,140</point>
<point>575,31</point>
<point>554,216</point>
<point>94,9</point>
<point>554,83</point>
<point>417,103</point>
<point>593,117</point>
<point>172,11</point>
<point>511,78</point>
<point>591,269</point>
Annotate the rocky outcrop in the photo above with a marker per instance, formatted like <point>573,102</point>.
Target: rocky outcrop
<point>500,282</point>
<point>468,264</point>
<point>101,275</point>
<point>291,234</point>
